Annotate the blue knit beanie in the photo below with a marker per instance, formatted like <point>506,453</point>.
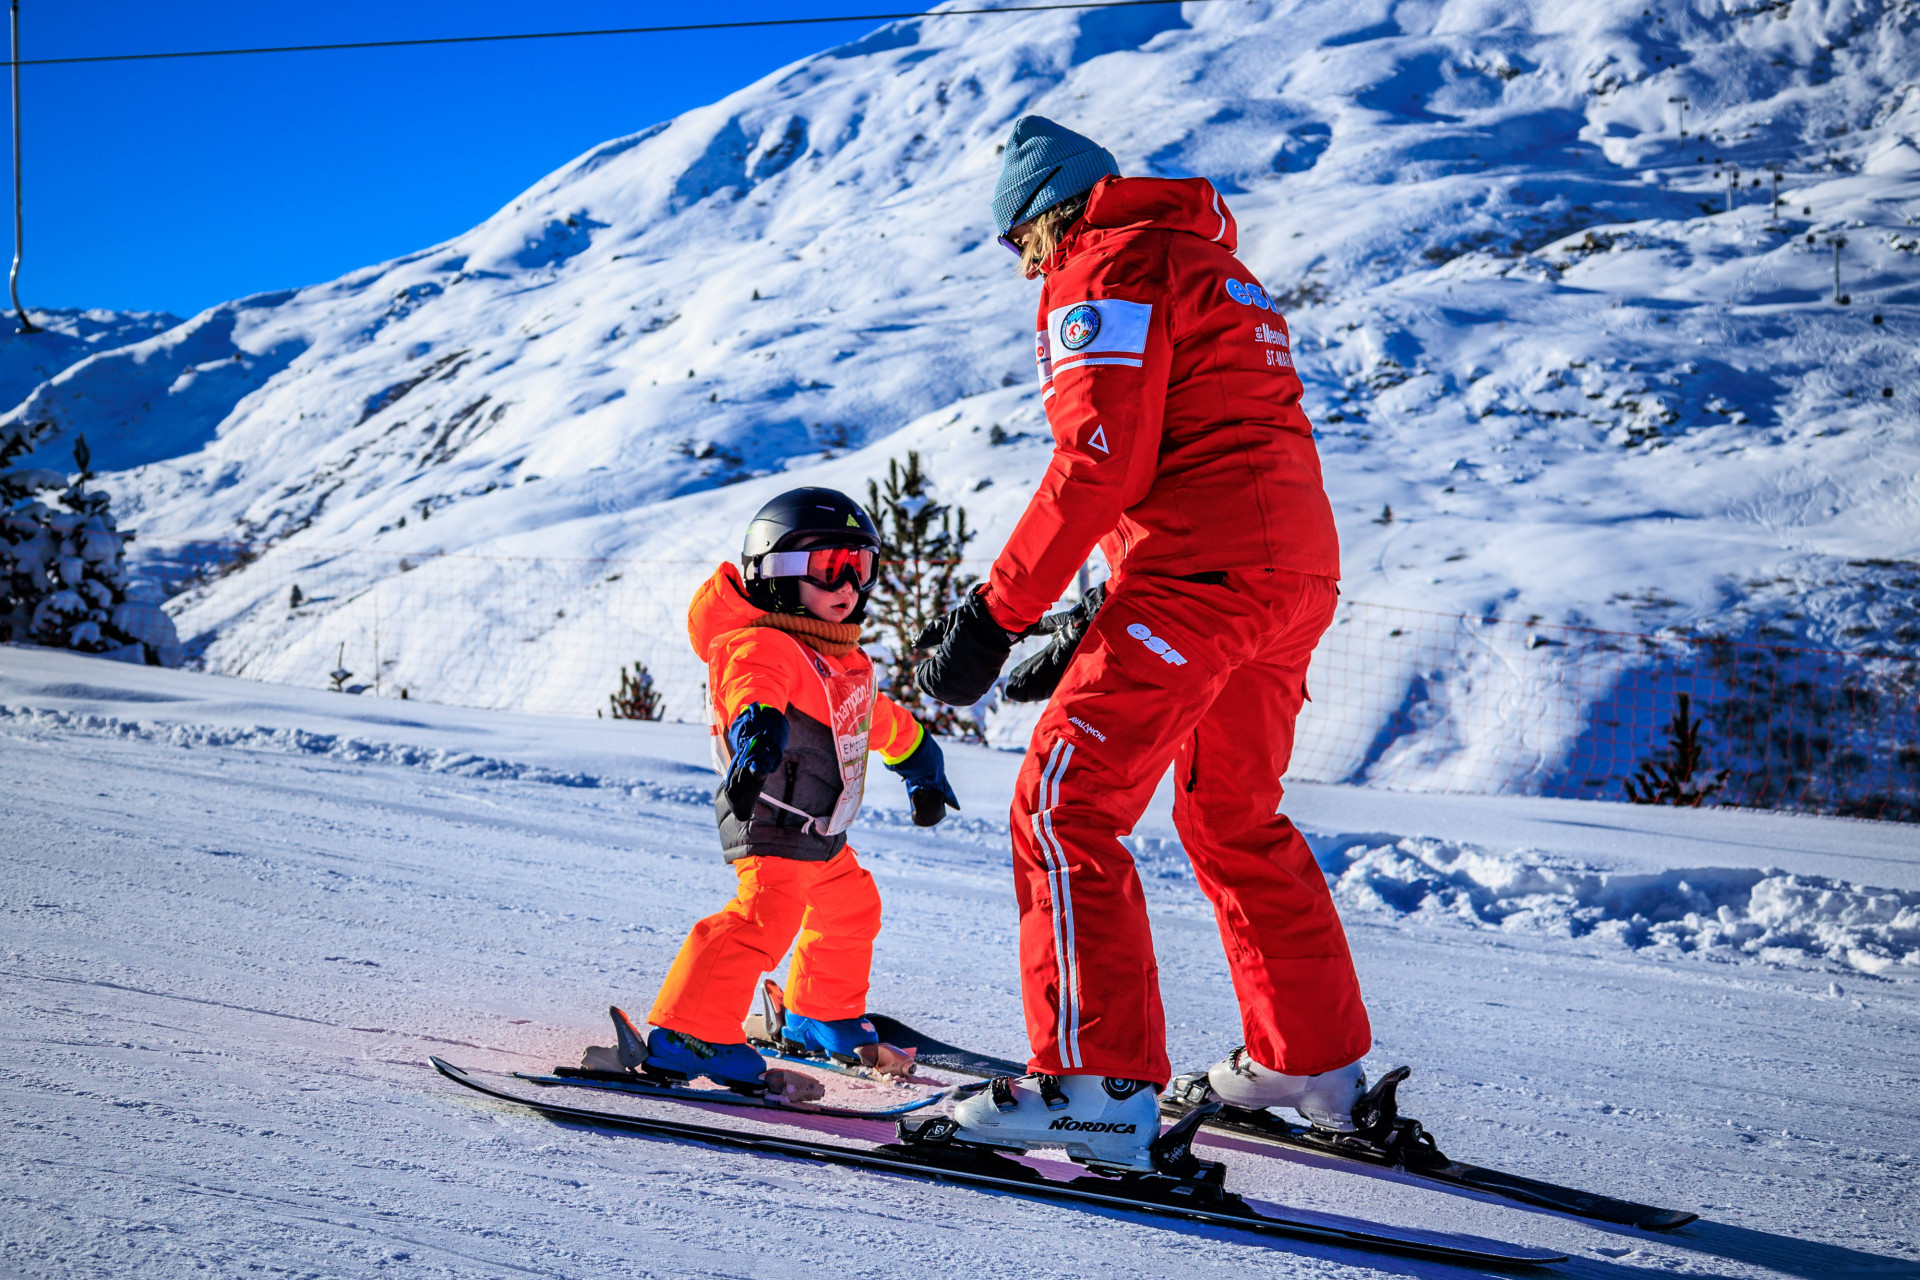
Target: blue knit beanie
<point>1044,165</point>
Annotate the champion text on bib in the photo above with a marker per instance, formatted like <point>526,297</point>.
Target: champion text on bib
<point>850,699</point>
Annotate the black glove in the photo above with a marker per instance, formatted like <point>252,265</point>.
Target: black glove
<point>969,648</point>
<point>1035,679</point>
<point>925,773</point>
<point>758,737</point>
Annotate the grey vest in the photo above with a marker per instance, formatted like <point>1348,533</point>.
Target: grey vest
<point>808,778</point>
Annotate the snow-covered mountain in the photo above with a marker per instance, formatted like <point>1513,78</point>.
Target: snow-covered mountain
<point>63,337</point>
<point>1555,374</point>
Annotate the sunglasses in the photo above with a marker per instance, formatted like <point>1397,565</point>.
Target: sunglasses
<point>1011,244</point>
<point>825,566</point>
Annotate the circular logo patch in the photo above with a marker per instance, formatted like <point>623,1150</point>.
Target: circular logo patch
<point>1081,326</point>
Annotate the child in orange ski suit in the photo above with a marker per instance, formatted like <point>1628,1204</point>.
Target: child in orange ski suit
<point>798,876</point>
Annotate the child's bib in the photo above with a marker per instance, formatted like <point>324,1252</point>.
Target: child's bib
<point>850,697</point>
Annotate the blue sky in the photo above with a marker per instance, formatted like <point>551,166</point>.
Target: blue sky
<point>175,185</point>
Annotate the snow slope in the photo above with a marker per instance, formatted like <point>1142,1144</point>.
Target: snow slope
<point>238,918</point>
<point>67,336</point>
<point>1527,325</point>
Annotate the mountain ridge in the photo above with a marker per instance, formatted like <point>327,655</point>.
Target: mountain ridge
<point>1550,378</point>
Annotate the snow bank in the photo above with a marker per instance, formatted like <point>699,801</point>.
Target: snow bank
<point>453,761</point>
<point>295,741</point>
<point>1718,913</point>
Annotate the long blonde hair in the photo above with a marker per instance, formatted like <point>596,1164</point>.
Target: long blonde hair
<point>1049,229</point>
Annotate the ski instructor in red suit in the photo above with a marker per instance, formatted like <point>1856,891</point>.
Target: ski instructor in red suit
<point>1181,449</point>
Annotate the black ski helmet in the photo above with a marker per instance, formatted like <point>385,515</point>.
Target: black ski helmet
<point>801,520</point>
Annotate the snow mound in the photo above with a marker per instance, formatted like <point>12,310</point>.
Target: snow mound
<point>1717,913</point>
<point>353,749</point>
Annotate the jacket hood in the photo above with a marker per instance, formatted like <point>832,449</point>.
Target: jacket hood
<point>720,606</point>
<point>1165,204</point>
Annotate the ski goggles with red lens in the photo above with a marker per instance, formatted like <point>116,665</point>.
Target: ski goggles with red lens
<point>825,566</point>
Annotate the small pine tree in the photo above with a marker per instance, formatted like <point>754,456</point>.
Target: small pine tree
<point>63,576</point>
<point>921,543</point>
<point>637,699</point>
<point>1672,776</point>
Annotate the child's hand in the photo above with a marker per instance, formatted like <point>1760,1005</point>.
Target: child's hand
<point>758,738</point>
<point>1035,679</point>
<point>925,773</point>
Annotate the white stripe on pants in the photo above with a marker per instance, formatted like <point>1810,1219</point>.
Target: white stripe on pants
<point>1061,891</point>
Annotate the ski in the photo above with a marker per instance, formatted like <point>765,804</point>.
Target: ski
<point>763,1033</point>
<point>774,1051</point>
<point>938,1053</point>
<point>640,1086</point>
<point>1387,1139</point>
<point>1188,1189</point>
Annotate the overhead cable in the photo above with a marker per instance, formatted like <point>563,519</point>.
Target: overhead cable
<point>605,31</point>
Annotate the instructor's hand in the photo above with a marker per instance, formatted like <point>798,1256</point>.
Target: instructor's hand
<point>969,648</point>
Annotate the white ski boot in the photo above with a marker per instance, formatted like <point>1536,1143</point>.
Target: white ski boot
<point>1325,1101</point>
<point>1100,1121</point>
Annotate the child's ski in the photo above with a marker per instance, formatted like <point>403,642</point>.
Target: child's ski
<point>1189,1189</point>
<point>626,1082</point>
<point>763,1030</point>
<point>1389,1139</point>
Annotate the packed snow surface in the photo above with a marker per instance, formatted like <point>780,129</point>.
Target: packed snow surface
<point>1567,357</point>
<point>1554,372</point>
<point>241,916</point>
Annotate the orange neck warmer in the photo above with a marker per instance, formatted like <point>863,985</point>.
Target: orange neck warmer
<point>835,639</point>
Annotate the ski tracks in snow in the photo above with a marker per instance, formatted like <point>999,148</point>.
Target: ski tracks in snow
<point>225,962</point>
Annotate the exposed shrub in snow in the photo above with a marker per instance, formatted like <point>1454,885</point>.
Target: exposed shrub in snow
<point>1678,775</point>
<point>636,698</point>
<point>921,543</point>
<point>62,564</point>
<point>1838,737</point>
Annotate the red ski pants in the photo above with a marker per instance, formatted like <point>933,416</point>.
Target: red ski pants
<point>834,909</point>
<point>1208,678</point>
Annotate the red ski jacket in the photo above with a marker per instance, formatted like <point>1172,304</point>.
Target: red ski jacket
<point>1179,442</point>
